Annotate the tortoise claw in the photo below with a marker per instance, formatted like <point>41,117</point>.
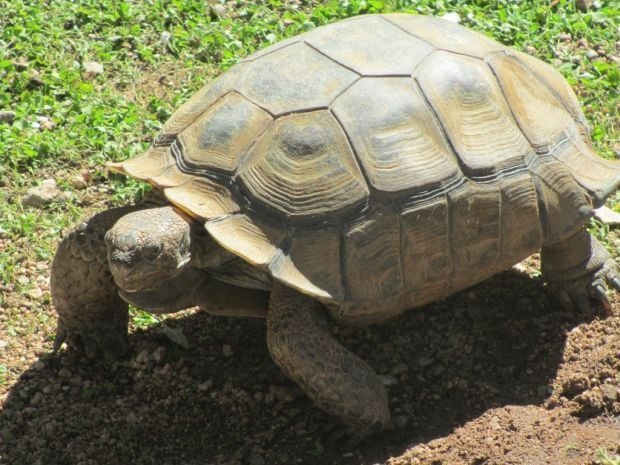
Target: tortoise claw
<point>600,295</point>
<point>61,335</point>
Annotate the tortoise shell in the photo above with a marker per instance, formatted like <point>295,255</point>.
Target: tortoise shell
<point>381,162</point>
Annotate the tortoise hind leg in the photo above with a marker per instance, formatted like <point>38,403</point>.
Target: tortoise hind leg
<point>338,381</point>
<point>91,315</point>
<point>578,270</point>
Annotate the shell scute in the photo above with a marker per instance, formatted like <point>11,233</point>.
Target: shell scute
<point>387,50</point>
<point>396,138</point>
<point>303,166</point>
<point>294,78</point>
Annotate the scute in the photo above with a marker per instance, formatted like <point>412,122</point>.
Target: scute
<point>551,129</point>
<point>396,138</point>
<point>474,114</point>
<point>303,167</point>
<point>222,134</point>
<point>371,46</point>
<point>293,78</point>
<point>198,104</point>
<point>445,35</point>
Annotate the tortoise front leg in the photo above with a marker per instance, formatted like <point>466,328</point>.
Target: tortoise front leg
<point>338,381</point>
<point>91,316</point>
<point>579,269</point>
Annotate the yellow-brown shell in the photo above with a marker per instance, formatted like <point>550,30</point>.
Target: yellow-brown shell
<point>381,162</point>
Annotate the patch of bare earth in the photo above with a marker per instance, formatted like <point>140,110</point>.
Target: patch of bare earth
<point>498,374</point>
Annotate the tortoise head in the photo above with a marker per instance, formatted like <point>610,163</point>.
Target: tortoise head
<point>148,247</point>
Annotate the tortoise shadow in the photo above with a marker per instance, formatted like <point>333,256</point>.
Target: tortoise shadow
<point>224,401</point>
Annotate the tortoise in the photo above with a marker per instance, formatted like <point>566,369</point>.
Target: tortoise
<point>349,173</point>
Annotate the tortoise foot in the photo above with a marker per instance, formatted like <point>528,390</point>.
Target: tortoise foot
<point>339,382</point>
<point>579,293</point>
<point>579,271</point>
<point>105,338</point>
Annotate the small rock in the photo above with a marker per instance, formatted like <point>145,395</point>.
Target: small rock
<point>205,386</point>
<point>7,116</point>
<point>6,435</point>
<point>35,80</point>
<point>81,180</point>
<point>398,369</point>
<point>131,418</point>
<point>607,216</point>
<point>217,11</point>
<point>47,125</point>
<point>3,344</point>
<point>143,357</point>
<point>529,50</point>
<point>164,38</point>
<point>64,373</point>
<point>92,68</point>
<point>227,351</point>
<point>453,17</point>
<point>582,43</point>
<point>36,399</point>
<point>388,380</point>
<point>256,459</point>
<point>159,354</point>
<point>35,293</point>
<point>41,195</point>
<point>425,361</point>
<point>38,365</point>
<point>610,393</point>
<point>564,37</point>
<point>591,54</point>
<point>583,5</point>
<point>400,421</point>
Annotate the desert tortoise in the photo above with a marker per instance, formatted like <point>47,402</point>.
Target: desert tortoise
<point>353,172</point>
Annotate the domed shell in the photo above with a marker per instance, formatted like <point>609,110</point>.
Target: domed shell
<point>381,162</point>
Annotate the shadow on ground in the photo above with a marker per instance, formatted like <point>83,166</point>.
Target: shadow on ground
<point>223,401</point>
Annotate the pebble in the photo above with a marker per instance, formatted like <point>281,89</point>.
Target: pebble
<point>227,351</point>
<point>400,421</point>
<point>38,365</point>
<point>591,54</point>
<point>217,10</point>
<point>36,399</point>
<point>143,357</point>
<point>81,180</point>
<point>7,116</point>
<point>609,392</point>
<point>64,373</point>
<point>564,37</point>
<point>389,380</point>
<point>41,195</point>
<point>607,216</point>
<point>529,50</point>
<point>159,354</point>
<point>93,67</point>
<point>583,5</point>
<point>398,369</point>
<point>453,17</point>
<point>3,344</point>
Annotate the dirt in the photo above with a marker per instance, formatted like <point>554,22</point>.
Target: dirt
<point>498,374</point>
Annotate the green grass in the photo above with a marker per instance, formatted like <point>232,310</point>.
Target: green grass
<point>605,458</point>
<point>114,115</point>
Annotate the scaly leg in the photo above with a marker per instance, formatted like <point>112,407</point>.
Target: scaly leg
<point>91,315</point>
<point>338,381</point>
<point>579,269</point>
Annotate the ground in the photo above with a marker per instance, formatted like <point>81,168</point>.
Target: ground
<point>497,374</point>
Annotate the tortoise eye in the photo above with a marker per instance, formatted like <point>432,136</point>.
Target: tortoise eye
<point>152,252</point>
